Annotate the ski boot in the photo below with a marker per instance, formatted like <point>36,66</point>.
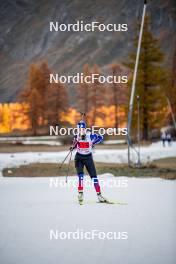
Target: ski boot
<point>101,199</point>
<point>80,198</point>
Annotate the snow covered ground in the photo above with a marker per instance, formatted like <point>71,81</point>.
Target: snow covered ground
<point>31,207</point>
<point>113,141</point>
<point>37,140</point>
<point>148,153</point>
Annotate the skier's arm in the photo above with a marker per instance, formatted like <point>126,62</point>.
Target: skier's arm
<point>96,139</point>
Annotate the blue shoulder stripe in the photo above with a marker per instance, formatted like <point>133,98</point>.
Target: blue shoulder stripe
<point>96,138</point>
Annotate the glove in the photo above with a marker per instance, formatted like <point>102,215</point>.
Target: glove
<point>71,148</point>
<point>92,145</point>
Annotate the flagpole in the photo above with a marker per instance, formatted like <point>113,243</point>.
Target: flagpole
<point>133,87</point>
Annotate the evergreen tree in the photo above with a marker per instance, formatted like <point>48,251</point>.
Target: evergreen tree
<point>149,85</point>
<point>170,88</point>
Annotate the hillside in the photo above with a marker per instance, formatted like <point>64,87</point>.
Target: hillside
<point>25,37</point>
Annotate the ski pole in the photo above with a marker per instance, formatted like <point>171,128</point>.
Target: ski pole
<point>68,167</point>
<point>70,151</point>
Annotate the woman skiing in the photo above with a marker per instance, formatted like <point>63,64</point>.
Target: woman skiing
<point>84,142</point>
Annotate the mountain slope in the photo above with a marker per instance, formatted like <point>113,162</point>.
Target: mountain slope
<point>25,37</point>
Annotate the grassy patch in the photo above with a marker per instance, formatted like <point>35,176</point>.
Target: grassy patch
<point>163,168</point>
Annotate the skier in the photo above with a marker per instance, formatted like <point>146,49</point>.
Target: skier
<point>163,138</point>
<point>168,138</point>
<point>84,142</point>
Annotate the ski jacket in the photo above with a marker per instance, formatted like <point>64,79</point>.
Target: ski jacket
<point>85,146</point>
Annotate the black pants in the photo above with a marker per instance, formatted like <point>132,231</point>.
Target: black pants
<point>87,161</point>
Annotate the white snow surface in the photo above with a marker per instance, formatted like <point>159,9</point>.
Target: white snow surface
<point>49,143</point>
<point>113,141</point>
<point>37,140</point>
<point>148,153</point>
<point>30,208</point>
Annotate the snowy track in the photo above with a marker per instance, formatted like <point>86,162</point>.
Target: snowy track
<point>30,208</point>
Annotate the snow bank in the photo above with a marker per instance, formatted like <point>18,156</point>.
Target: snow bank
<point>37,140</point>
<point>111,142</point>
<point>49,143</point>
<point>148,153</point>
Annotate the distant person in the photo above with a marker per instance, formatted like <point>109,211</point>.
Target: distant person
<point>163,138</point>
<point>168,138</point>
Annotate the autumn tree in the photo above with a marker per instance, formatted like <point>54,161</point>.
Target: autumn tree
<point>56,103</point>
<point>117,93</point>
<point>91,96</point>
<point>5,118</point>
<point>55,97</point>
<point>45,92</point>
<point>97,93</point>
<point>32,95</point>
<point>45,100</point>
<point>84,95</point>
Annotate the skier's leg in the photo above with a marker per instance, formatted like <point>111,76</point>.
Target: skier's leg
<point>80,172</point>
<point>90,166</point>
<point>80,182</point>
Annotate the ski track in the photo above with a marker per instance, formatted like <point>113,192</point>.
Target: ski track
<point>30,208</point>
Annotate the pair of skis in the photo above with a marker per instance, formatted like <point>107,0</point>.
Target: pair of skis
<point>106,202</point>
